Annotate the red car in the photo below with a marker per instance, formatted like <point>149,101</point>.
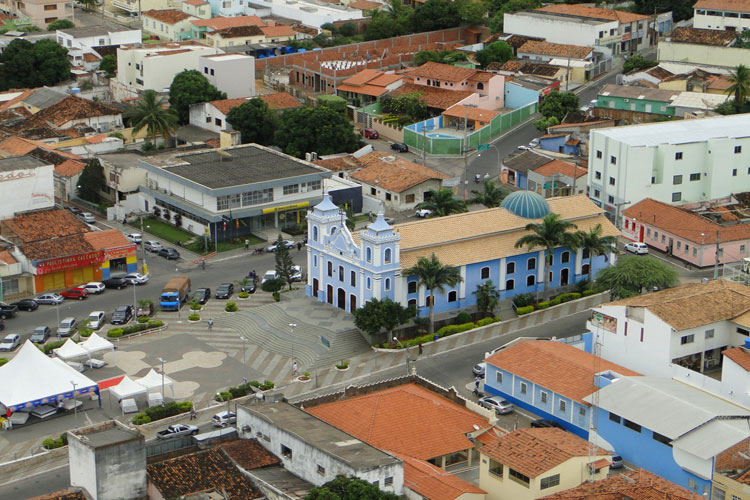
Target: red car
<point>75,293</point>
<point>369,133</point>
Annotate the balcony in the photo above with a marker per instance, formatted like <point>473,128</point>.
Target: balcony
<point>126,5</point>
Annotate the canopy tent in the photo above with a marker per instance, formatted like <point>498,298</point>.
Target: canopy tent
<point>70,350</point>
<point>127,388</point>
<point>95,344</point>
<point>153,380</point>
<point>33,379</point>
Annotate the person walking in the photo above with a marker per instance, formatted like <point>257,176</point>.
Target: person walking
<point>192,412</point>
<point>420,348</point>
<point>299,246</point>
<point>247,244</point>
<point>210,323</point>
<point>295,368</point>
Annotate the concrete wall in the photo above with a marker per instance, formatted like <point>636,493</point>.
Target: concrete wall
<point>557,30</point>
<point>32,189</point>
<point>231,73</point>
<point>729,57</point>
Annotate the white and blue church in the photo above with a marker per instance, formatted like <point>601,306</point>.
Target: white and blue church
<point>346,269</point>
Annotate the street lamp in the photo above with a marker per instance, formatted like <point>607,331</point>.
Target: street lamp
<point>161,360</point>
<point>243,349</point>
<point>57,312</point>
<point>222,400</point>
<point>406,351</point>
<point>292,326</point>
<point>75,404</point>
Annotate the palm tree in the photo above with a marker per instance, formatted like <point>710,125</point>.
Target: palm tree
<point>740,80</point>
<point>492,195</point>
<point>596,244</point>
<point>151,115</point>
<point>433,275</point>
<point>487,297</point>
<point>552,232</point>
<point>442,202</point>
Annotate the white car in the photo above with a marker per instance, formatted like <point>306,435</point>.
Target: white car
<point>637,248</point>
<point>96,320</point>
<point>534,143</point>
<point>423,212</point>
<point>95,287</point>
<point>296,273</point>
<point>289,244</point>
<point>10,342</point>
<point>270,275</point>
<point>224,418</point>
<point>88,217</point>
<point>50,298</point>
<point>134,237</point>
<point>152,245</point>
<point>136,278</point>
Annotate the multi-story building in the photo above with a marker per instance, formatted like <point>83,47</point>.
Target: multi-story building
<point>233,74</point>
<point>88,37</point>
<point>213,115</point>
<point>488,87</point>
<point>168,24</point>
<point>40,12</point>
<point>721,15</point>
<point>634,103</point>
<point>672,162</point>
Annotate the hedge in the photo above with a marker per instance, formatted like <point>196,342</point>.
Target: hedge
<point>3,361</point>
<point>488,321</point>
<point>444,332</point>
<point>160,412</point>
<point>194,317</point>
<point>463,317</point>
<point>543,305</point>
<point>143,319</point>
<point>50,346</point>
<point>115,333</point>
<point>138,327</point>
<point>243,295</point>
<point>51,444</point>
<point>586,293</point>
<point>524,310</point>
<point>85,332</point>
<point>231,307</point>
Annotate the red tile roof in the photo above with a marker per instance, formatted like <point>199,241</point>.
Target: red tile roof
<point>167,16</point>
<point>734,458</point>
<point>471,113</point>
<point>43,225</point>
<point>739,356</point>
<point>7,258</point>
<point>217,23</point>
<point>533,452</point>
<point>226,105</point>
<point>555,49</point>
<point>363,77</point>
<point>731,5</point>
<point>195,2</point>
<point>20,146</point>
<point>393,173</point>
<point>278,30</point>
<point>340,164</point>
<point>371,90</point>
<point>556,366</point>
<point>239,31</point>
<point>70,108</point>
<point>281,100</point>
<point>636,485</point>
<point>702,36</point>
<point>443,72</point>
<point>561,167</point>
<point>70,168</point>
<point>387,419</point>
<point>434,97</point>
<point>365,5</point>
<point>103,240</point>
<point>433,482</point>
<point>249,454</point>
<point>596,13</point>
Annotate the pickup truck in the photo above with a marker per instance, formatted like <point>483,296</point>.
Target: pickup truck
<point>177,430</point>
<point>7,310</point>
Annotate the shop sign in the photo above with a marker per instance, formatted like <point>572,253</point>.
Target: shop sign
<point>284,208</point>
<point>70,262</point>
<point>14,176</point>
<point>603,321</point>
<point>119,252</point>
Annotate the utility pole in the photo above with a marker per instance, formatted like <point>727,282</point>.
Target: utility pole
<point>716,261</point>
<point>465,149</point>
<point>424,144</point>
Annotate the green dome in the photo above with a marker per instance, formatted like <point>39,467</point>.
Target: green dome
<point>526,204</point>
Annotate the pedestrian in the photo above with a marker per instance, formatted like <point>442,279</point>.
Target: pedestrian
<point>210,323</point>
<point>295,368</point>
<point>420,348</point>
<point>192,413</point>
<point>299,246</point>
<point>370,215</point>
<point>487,176</point>
<point>203,265</point>
<point>247,244</point>
<point>477,381</point>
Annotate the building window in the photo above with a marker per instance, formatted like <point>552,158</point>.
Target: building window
<point>523,387</point>
<point>719,494</point>
<point>315,233</point>
<point>373,192</point>
<point>582,411</point>
<point>734,172</point>
<point>217,121</point>
<point>291,189</point>
<point>737,149</point>
<point>631,425</point>
<point>315,261</point>
<point>687,339</point>
<point>286,452</point>
<point>387,255</point>
<point>549,482</point>
<point>321,470</point>
<point>611,181</point>
<point>679,245</point>
<point>742,249</point>
<point>369,284</point>
<point>452,296</point>
<point>597,193</point>
<point>50,7</point>
<point>531,264</point>
<point>614,417</point>
<point>499,377</point>
<point>677,179</point>
<point>565,257</point>
<point>330,269</point>
<point>543,397</point>
<point>530,280</point>
<point>412,302</point>
<point>695,177</point>
<point>353,278</point>
<point>678,155</point>
<point>484,273</point>
<point>563,406</point>
<point>368,254</point>
<point>510,268</point>
<point>510,284</point>
<point>648,232</point>
<point>388,481</point>
<point>518,477</point>
<point>409,198</point>
<point>598,154</point>
<point>662,238</point>
<point>496,468</point>
<point>387,283</point>
<point>676,196</point>
<point>341,274</point>
<point>597,175</point>
<point>641,334</point>
<point>388,196</point>
<point>613,160</point>
<point>611,199</point>
<point>412,287</point>
<point>661,438</point>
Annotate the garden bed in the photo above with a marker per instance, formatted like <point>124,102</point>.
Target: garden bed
<point>526,303</point>
<point>138,328</point>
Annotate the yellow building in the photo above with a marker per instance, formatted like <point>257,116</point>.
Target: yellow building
<point>531,463</point>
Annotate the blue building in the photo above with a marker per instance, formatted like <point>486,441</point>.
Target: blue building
<point>670,428</point>
<point>550,379</point>
<point>560,143</point>
<point>347,270</point>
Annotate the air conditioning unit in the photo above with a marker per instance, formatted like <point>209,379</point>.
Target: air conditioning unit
<point>626,100</point>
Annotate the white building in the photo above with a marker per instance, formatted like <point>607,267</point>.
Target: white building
<point>232,73</point>
<point>573,30</point>
<point>308,12</point>
<point>142,67</point>
<point>316,451</point>
<point>88,37</point>
<point>672,162</point>
<point>721,15</point>
<point>26,183</point>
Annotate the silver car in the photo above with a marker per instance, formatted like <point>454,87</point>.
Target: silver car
<point>10,342</point>
<point>50,298</point>
<point>500,405</point>
<point>152,245</point>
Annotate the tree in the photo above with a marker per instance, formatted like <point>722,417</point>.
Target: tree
<point>410,107</point>
<point>150,114</point>
<point>487,297</point>
<point>254,121</point>
<point>381,26</point>
<point>443,56</point>
<point>89,4</point>
<point>596,244</point>
<point>442,203</point>
<point>348,488</point>
<point>284,262</point>
<point>681,9</point>
<point>60,24</point>
<point>322,130</point>
<point>542,124</point>
<point>191,87</point>
<point>491,196</point>
<point>559,104</point>
<point>498,8</point>
<point>109,65</point>
<point>552,232</point>
<point>348,29</point>
<point>498,51</point>
<point>336,103</point>
<point>91,182</point>
<point>433,275</point>
<point>435,15</point>
<point>25,65</point>
<point>740,85</point>
<point>638,62</point>
<point>631,274</point>
<point>471,12</point>
<point>378,315</point>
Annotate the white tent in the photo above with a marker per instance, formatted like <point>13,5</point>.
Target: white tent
<point>153,380</point>
<point>127,388</point>
<point>34,379</point>
<point>95,344</point>
<point>70,350</point>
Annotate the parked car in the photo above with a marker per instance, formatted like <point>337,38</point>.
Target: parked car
<point>136,278</point>
<point>224,418</point>
<point>96,320</point>
<point>534,143</point>
<point>74,210</point>
<point>637,248</point>
<point>7,310</point>
<point>134,237</point>
<point>270,275</point>
<point>10,342</point>
<point>423,212</point>
<point>615,462</point>
<point>543,422</point>
<point>40,334</point>
<point>369,133</point>
<point>122,315</point>
<point>500,405</point>
<point>87,217</point>
<point>202,295</point>
<point>400,147</point>
<point>67,326</point>
<point>479,369</point>
<point>152,245</point>
<point>224,291</point>
<point>169,253</point>
<point>95,287</point>
<point>248,287</point>
<point>289,244</point>
<point>26,304</point>
<point>389,220</point>
<point>522,148</point>
<point>296,273</point>
<point>116,282</point>
<point>49,298</point>
<point>145,310</point>
<point>177,430</point>
<point>79,293</point>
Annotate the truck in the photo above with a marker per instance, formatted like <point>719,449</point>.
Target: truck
<point>177,430</point>
<point>174,293</point>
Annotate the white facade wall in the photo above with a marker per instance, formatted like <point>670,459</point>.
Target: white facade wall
<point>559,30</point>
<point>111,38</point>
<point>313,14</point>
<point>714,19</point>
<point>26,189</point>
<point>83,474</point>
<point>205,116</point>
<point>143,68</point>
<point>101,124</point>
<point>230,73</point>
<point>398,200</point>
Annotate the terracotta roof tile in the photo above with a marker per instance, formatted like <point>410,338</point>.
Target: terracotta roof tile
<point>281,100</point>
<point>434,97</point>
<point>443,72</point>
<point>226,105</point>
<point>555,49</point>
<point>103,240</point>
<point>68,109</point>
<point>217,23</point>
<point>740,356</point>
<point>62,495</point>
<point>249,454</point>
<point>561,167</point>
<point>200,471</point>
<point>659,72</point>
<point>43,225</point>
<point>306,30</point>
<point>278,30</point>
<point>238,31</point>
<point>533,452</point>
<point>56,247</point>
<point>393,173</point>
<point>734,458</point>
<point>557,366</point>
<point>596,13</point>
<point>637,485</point>
<point>386,419</point>
<point>433,482</point>
<point>731,5</point>
<point>371,90</point>
<point>167,16</point>
<point>70,168</point>
<point>471,113</point>
<point>90,57</point>
<point>702,36</point>
<point>7,258</point>
<point>365,5</point>
<point>363,77</point>
<point>339,164</point>
<point>22,94</point>
<point>195,2</point>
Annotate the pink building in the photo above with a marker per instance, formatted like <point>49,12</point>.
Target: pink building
<point>488,87</point>
<point>684,234</point>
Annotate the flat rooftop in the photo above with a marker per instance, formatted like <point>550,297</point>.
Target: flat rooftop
<point>321,435</point>
<point>552,16</point>
<point>20,163</point>
<point>109,433</point>
<point>98,30</point>
<point>247,164</point>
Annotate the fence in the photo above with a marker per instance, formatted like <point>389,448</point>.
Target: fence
<point>161,447</point>
<point>417,135</point>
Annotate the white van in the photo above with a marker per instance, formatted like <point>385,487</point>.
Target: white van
<point>96,320</point>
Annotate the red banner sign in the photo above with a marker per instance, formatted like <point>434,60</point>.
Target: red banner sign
<point>119,252</point>
<point>70,262</point>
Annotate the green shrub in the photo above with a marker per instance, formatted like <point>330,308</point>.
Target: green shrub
<point>169,410</point>
<point>272,285</point>
<point>194,317</point>
<point>85,332</point>
<point>487,321</point>
<point>555,302</point>
<point>463,317</point>
<point>141,419</point>
<point>143,319</point>
<point>49,443</point>
<point>64,438</point>
<point>185,406</point>
<point>453,329</point>
<point>254,383</point>
<point>3,361</point>
<point>543,305</point>
<point>276,296</point>
<point>266,386</point>
<point>586,293</point>
<point>343,365</point>
<point>223,396</point>
<point>115,333</point>
<point>524,299</point>
<point>243,295</point>
<point>231,307</point>
<point>195,305</point>
<point>524,310</point>
<point>306,374</point>
<point>155,323</point>
<point>240,390</point>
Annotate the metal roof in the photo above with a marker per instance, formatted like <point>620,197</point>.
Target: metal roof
<point>12,163</point>
<point>714,437</point>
